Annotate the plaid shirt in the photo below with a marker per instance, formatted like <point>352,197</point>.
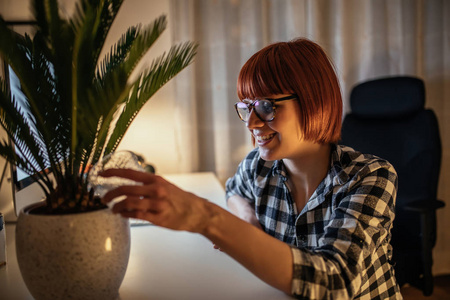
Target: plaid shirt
<point>340,240</point>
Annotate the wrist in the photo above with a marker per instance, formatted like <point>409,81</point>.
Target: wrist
<point>212,216</point>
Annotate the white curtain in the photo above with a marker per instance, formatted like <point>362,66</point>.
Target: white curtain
<point>366,39</point>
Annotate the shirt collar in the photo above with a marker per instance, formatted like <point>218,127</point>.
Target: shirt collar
<point>336,175</point>
<point>279,169</point>
<point>336,170</point>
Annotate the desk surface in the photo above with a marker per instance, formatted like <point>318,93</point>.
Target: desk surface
<point>166,264</point>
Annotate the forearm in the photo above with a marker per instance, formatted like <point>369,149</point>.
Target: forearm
<point>263,255</point>
<point>166,205</point>
<point>243,209</point>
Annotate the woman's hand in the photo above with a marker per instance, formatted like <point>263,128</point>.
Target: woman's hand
<point>159,202</point>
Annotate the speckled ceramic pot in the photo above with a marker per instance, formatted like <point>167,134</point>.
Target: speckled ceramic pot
<point>77,256</point>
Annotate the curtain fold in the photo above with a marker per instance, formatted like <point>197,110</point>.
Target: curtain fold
<point>365,39</point>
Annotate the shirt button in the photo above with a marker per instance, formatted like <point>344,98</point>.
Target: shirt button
<point>302,240</point>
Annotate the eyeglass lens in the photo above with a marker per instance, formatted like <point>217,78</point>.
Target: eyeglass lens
<point>263,109</point>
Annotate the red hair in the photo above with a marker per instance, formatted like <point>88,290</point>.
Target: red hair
<point>298,67</point>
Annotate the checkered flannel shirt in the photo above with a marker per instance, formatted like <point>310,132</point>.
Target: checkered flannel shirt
<point>340,240</point>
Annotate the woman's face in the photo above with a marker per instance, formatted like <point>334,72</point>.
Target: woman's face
<point>281,138</point>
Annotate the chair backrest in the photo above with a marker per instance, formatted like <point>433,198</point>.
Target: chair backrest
<point>388,119</point>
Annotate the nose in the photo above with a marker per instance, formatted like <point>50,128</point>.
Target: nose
<point>254,121</point>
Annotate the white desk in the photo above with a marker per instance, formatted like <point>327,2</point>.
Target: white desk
<point>166,264</point>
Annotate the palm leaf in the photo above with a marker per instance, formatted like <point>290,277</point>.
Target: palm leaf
<point>71,98</point>
<point>157,75</point>
<point>28,154</point>
<point>131,48</point>
<point>144,41</point>
<point>118,53</point>
<point>19,53</point>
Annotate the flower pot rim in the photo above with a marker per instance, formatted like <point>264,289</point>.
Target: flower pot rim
<point>26,210</point>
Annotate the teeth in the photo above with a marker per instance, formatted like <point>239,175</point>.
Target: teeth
<point>265,137</point>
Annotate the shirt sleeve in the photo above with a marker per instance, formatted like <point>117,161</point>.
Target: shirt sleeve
<point>357,236</point>
<point>242,183</point>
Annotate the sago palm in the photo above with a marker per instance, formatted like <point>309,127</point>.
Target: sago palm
<point>76,106</point>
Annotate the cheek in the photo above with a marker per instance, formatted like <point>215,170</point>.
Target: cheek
<point>292,127</point>
<point>287,122</point>
<point>287,129</point>
<point>293,133</point>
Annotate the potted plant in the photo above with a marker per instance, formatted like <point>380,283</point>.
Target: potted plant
<point>77,107</point>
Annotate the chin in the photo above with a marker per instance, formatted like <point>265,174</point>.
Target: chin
<point>268,155</point>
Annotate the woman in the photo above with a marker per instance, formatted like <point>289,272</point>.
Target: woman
<point>322,212</point>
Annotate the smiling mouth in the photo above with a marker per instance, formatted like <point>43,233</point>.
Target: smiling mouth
<point>263,139</point>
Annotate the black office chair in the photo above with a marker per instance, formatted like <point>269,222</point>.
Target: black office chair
<point>388,119</point>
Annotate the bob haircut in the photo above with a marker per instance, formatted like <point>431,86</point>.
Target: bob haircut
<point>298,67</point>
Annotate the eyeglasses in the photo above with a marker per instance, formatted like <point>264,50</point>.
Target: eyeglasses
<point>264,108</point>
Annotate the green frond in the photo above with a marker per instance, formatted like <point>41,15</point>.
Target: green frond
<point>105,13</point>
<point>157,75</point>
<point>144,41</point>
<point>118,53</point>
<point>92,23</point>
<point>71,98</point>
<point>14,48</point>
<point>104,103</point>
<point>28,146</point>
<point>18,52</point>
<point>11,156</point>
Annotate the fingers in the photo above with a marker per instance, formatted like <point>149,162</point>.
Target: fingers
<point>151,191</point>
<point>156,200</point>
<point>137,176</point>
<point>138,204</point>
<point>147,201</point>
<point>154,218</point>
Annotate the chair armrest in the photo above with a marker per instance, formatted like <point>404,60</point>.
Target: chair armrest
<point>424,206</point>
